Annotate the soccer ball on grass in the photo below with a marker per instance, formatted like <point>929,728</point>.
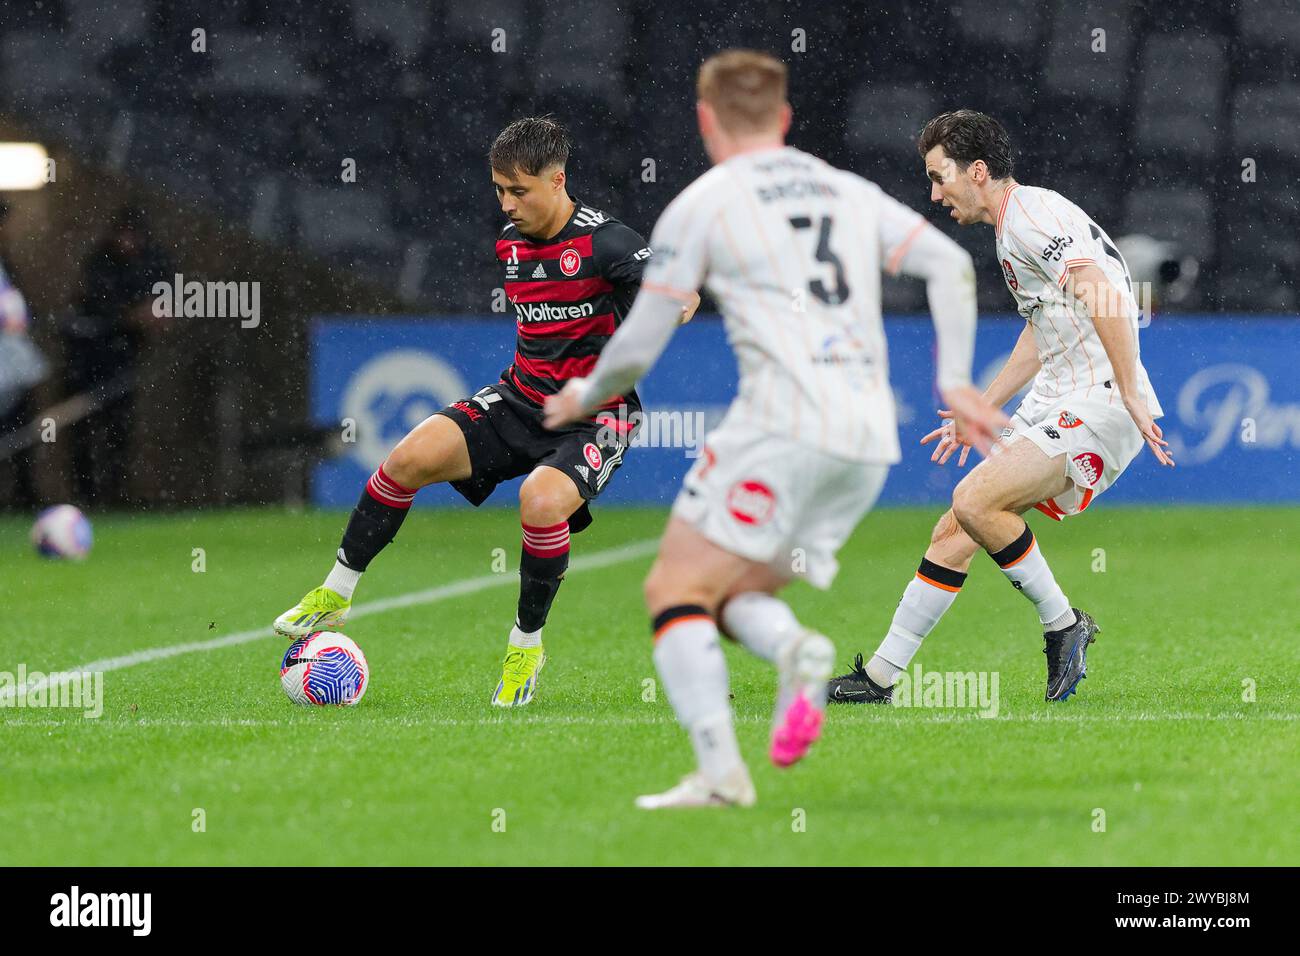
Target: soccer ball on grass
<point>324,668</point>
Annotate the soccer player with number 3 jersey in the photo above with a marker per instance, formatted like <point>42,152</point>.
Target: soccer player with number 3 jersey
<point>792,249</point>
<point>1088,412</point>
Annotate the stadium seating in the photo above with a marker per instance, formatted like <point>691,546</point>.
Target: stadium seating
<point>1180,120</point>
<point>414,92</point>
<point>1181,214</point>
<point>1074,68</point>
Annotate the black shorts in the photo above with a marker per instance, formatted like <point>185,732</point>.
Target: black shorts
<point>506,439</point>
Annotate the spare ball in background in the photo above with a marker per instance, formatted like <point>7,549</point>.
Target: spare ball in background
<point>62,532</point>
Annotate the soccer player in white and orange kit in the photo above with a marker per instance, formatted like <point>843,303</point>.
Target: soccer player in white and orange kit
<point>792,249</point>
<point>1089,410</point>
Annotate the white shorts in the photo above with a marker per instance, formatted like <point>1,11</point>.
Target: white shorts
<point>1098,440</point>
<point>777,501</point>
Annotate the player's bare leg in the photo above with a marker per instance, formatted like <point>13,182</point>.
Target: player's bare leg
<point>764,624</point>
<point>546,500</point>
<point>433,451</point>
<point>991,498</point>
<point>691,578</point>
<point>686,583</point>
<point>988,503</point>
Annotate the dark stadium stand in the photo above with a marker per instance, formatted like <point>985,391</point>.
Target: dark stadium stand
<point>258,126</point>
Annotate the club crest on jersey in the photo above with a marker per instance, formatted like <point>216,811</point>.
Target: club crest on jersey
<point>592,454</point>
<point>751,502</point>
<point>1090,466</point>
<point>1009,274</point>
<point>1069,421</point>
<point>570,262</point>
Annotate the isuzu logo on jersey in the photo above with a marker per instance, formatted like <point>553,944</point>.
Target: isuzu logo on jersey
<point>545,312</point>
<point>570,262</point>
<point>1090,465</point>
<point>1059,244</point>
<point>1010,274</point>
<point>751,502</point>
<point>592,454</point>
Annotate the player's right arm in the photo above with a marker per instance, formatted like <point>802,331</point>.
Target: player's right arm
<point>910,245</point>
<point>668,296</point>
<point>1091,287</point>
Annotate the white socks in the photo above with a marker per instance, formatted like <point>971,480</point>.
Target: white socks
<point>925,599</point>
<point>761,622</point>
<point>1061,623</point>
<point>1023,563</point>
<point>342,580</point>
<point>932,591</point>
<point>520,638</point>
<point>694,674</point>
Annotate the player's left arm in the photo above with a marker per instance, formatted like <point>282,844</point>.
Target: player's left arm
<point>1088,284</point>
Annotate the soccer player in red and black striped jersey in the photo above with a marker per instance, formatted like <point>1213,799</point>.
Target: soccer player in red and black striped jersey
<point>571,273</point>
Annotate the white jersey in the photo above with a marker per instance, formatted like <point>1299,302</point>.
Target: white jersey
<point>1041,235</point>
<point>792,249</point>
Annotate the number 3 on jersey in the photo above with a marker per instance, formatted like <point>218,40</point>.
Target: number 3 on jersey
<point>824,254</point>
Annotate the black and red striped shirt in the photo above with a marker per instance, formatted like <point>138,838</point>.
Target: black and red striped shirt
<point>570,293</point>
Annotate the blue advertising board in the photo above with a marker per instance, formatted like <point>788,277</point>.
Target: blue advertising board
<point>1227,384</point>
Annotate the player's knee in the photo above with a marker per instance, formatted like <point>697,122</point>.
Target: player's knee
<point>542,504</point>
<point>655,589</point>
<point>968,505</point>
<point>664,588</point>
<point>406,466</point>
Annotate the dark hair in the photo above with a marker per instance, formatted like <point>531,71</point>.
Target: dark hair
<point>966,136</point>
<point>530,145</point>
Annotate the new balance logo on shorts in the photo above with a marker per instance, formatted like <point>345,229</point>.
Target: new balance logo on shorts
<point>1049,431</point>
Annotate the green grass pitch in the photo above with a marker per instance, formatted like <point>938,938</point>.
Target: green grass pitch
<point>1192,603</point>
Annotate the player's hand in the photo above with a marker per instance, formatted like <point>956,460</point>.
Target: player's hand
<point>1155,438</point>
<point>975,421</point>
<point>688,310</point>
<point>950,439</point>
<point>566,405</point>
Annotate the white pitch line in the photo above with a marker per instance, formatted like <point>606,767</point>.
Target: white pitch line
<point>600,559</point>
<point>575,720</point>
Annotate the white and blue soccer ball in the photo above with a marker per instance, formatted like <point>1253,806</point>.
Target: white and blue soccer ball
<point>324,668</point>
<point>62,532</point>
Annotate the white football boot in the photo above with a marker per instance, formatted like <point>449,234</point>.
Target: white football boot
<point>694,791</point>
